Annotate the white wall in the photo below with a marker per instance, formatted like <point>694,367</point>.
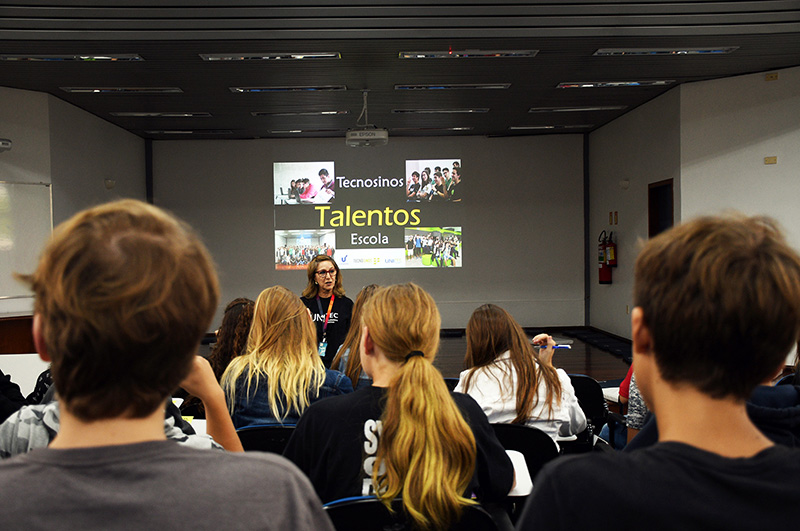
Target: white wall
<point>55,142</point>
<point>522,217</point>
<point>84,151</point>
<point>641,147</point>
<point>728,126</point>
<point>24,120</point>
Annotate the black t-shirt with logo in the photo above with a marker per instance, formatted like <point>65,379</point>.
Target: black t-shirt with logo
<point>338,323</point>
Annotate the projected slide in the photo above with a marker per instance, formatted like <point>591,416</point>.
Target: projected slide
<point>410,220</point>
<point>298,183</point>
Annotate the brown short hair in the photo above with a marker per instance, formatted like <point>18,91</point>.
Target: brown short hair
<point>721,298</point>
<point>312,288</point>
<point>124,292</point>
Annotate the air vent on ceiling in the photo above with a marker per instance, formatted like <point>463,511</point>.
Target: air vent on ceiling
<point>240,90</point>
<point>441,111</point>
<point>666,51</point>
<point>73,57</point>
<point>288,56</point>
<point>122,90</point>
<point>587,108</point>
<point>468,54</point>
<point>176,114</point>
<point>299,113</point>
<point>615,84</point>
<point>453,86</point>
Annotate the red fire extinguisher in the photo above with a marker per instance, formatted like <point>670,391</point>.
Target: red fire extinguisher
<point>611,251</point>
<point>602,262</point>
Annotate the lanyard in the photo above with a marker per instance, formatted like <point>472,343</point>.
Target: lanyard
<point>327,315</point>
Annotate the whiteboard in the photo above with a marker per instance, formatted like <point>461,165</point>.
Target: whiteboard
<point>26,222</point>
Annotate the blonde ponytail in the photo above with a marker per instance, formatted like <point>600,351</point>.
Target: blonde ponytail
<point>427,450</point>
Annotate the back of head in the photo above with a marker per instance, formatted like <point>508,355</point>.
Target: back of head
<point>353,339</point>
<point>721,298</point>
<point>232,334</point>
<point>426,451</point>
<point>492,331</point>
<point>124,292</point>
<point>281,347</point>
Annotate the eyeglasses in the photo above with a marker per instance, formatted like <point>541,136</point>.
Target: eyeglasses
<point>326,272</point>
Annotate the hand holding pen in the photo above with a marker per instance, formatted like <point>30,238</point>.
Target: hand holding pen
<point>546,345</point>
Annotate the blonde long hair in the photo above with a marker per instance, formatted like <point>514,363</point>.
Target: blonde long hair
<point>352,341</point>
<point>282,348</point>
<point>427,450</point>
<point>491,331</point>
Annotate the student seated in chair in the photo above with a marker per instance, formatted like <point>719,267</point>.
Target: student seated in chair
<point>406,435</point>
<point>123,294</point>
<point>717,309</point>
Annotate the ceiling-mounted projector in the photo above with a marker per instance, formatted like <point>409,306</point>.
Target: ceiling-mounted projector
<point>366,137</point>
<point>365,134</point>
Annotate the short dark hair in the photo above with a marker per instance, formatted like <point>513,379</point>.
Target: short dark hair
<point>124,292</point>
<point>721,298</point>
<point>324,172</point>
<point>413,173</point>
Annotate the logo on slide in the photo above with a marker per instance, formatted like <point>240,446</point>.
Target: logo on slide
<point>344,259</point>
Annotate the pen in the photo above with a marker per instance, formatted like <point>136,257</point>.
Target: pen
<point>568,347</point>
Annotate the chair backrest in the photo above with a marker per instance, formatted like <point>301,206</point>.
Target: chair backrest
<point>266,438</point>
<point>537,447</point>
<point>451,383</point>
<point>369,514</point>
<point>591,399</point>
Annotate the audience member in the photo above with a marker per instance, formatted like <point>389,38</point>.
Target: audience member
<point>40,390</point>
<point>774,409</point>
<point>281,372</point>
<point>511,382</point>
<point>232,334</point>
<point>717,310</point>
<point>11,399</point>
<point>36,426</point>
<point>406,435</point>
<point>123,294</point>
<point>348,359</point>
<point>231,341</point>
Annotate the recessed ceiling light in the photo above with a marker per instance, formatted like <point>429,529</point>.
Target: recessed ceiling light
<point>122,90</point>
<point>454,86</point>
<point>299,113</point>
<point>289,56</point>
<point>189,132</point>
<point>432,128</point>
<point>578,109</point>
<point>545,127</point>
<point>615,84</point>
<point>71,57</point>
<point>299,131</point>
<point>666,51</point>
<point>441,111</point>
<point>161,114</point>
<point>468,54</point>
<point>240,90</point>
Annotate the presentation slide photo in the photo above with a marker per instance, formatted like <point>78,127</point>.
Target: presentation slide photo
<point>294,249</point>
<point>433,246</point>
<point>303,183</point>
<point>433,180</point>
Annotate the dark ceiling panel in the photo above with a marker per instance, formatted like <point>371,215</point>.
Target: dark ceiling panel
<point>171,35</point>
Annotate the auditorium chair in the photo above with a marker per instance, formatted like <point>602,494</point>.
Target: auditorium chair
<point>367,513</point>
<point>265,438</point>
<point>535,445</point>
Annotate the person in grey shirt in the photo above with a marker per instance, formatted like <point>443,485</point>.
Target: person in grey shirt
<point>123,294</point>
